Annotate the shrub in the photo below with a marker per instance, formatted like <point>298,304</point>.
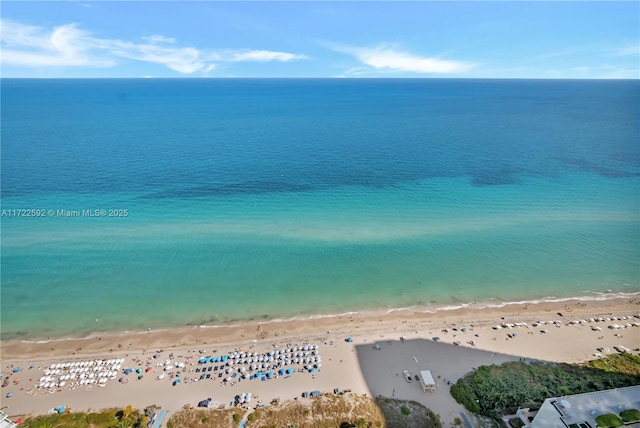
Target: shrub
<point>405,410</point>
<point>237,417</point>
<point>609,420</point>
<point>491,389</point>
<point>630,415</point>
<point>516,423</point>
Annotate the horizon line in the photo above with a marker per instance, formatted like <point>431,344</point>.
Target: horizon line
<point>315,78</point>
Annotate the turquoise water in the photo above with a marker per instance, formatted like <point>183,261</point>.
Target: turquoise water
<point>254,199</point>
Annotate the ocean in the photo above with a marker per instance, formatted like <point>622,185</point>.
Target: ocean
<point>130,204</point>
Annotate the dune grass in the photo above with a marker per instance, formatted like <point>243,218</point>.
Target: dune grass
<point>109,418</point>
<point>192,418</point>
<point>326,411</point>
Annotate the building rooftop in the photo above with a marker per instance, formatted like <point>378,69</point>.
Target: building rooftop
<point>5,422</point>
<point>582,409</point>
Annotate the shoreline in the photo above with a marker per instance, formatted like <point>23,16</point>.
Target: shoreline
<point>110,341</point>
<point>449,342</point>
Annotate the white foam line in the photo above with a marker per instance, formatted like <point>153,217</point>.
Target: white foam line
<point>595,296</point>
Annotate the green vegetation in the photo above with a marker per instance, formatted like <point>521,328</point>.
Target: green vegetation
<point>187,418</point>
<point>630,415</point>
<point>110,418</point>
<point>609,420</point>
<point>490,390</point>
<point>253,416</point>
<point>328,410</point>
<point>618,363</point>
<point>407,414</point>
<point>516,423</point>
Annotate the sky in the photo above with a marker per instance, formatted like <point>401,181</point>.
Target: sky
<point>391,39</point>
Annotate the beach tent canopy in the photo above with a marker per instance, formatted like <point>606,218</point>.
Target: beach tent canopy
<point>426,381</point>
<point>348,339</point>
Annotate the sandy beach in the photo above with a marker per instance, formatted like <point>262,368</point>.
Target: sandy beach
<point>448,342</point>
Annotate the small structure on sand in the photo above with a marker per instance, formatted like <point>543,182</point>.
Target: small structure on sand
<point>426,381</point>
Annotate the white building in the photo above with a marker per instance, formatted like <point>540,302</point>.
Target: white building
<point>581,410</point>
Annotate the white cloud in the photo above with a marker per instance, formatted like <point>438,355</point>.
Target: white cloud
<point>69,46</point>
<point>185,60</point>
<point>580,69</point>
<point>384,58</point>
<point>614,72</point>
<point>157,38</point>
<point>628,50</point>
<point>31,46</point>
<point>263,56</point>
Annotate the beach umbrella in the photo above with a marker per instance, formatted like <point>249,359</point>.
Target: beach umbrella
<point>175,382</point>
<point>16,369</point>
<point>148,369</point>
<point>140,377</point>
<point>138,370</point>
<point>348,339</point>
<point>121,380</point>
<point>9,394</point>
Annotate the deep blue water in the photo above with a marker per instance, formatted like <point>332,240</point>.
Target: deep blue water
<point>249,198</point>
